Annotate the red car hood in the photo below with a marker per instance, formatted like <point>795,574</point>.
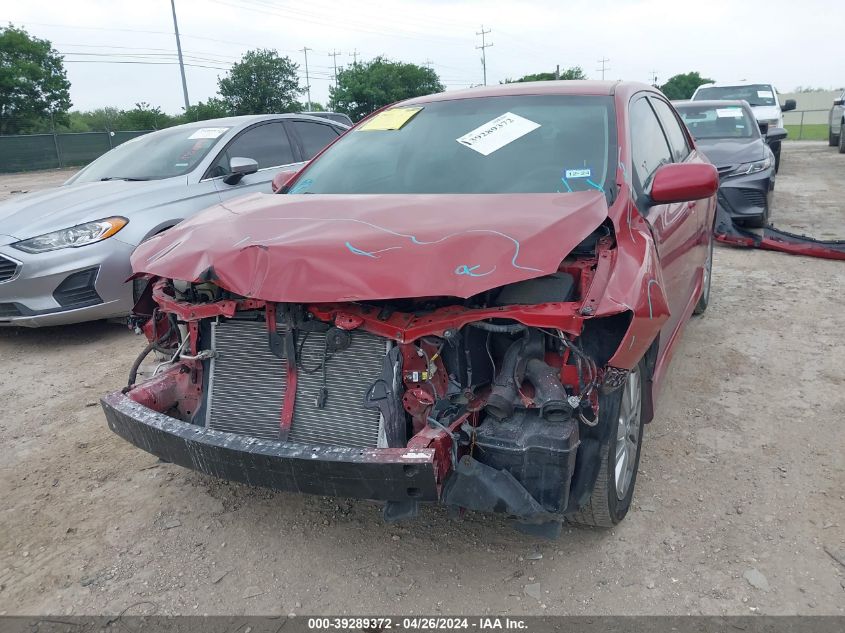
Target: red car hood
<point>327,248</point>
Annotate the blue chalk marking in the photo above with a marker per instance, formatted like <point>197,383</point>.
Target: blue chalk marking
<point>358,251</point>
<point>594,185</point>
<point>648,293</point>
<point>566,184</point>
<point>468,270</point>
<point>301,185</point>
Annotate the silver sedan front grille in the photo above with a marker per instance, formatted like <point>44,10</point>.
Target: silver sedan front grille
<point>9,268</point>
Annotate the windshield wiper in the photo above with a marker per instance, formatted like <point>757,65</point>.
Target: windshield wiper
<point>123,178</point>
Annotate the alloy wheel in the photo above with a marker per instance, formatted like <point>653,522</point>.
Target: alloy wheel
<point>627,433</point>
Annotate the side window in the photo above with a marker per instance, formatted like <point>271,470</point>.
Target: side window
<point>266,144</point>
<point>649,148</point>
<point>314,137</point>
<point>677,137</point>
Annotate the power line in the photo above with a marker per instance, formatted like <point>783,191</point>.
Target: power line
<point>483,47</point>
<point>603,61</point>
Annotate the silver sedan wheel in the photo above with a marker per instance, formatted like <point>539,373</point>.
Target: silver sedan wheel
<point>628,433</point>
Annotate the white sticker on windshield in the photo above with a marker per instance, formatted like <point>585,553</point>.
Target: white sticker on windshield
<point>578,173</point>
<point>728,112</point>
<point>497,133</point>
<point>765,94</point>
<point>209,132</point>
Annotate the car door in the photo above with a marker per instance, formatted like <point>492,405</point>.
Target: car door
<point>672,232</point>
<point>312,136</point>
<point>266,143</point>
<point>698,216</point>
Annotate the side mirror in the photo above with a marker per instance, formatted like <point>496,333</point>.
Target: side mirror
<point>839,102</point>
<point>281,180</point>
<point>238,168</point>
<point>776,134</point>
<point>788,105</point>
<point>683,182</point>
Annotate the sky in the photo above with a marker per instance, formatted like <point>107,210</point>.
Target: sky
<point>777,41</point>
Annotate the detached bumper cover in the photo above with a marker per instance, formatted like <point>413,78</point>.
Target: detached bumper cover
<point>379,474</point>
<point>773,239</point>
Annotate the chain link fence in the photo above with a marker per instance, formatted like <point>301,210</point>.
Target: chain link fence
<point>29,152</point>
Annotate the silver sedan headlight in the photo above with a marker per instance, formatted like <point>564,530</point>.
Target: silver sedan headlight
<point>752,168</point>
<point>73,237</point>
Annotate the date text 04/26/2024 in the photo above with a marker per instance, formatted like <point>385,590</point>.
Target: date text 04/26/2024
<point>416,623</point>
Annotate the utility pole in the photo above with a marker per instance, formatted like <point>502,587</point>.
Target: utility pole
<point>179,51</point>
<point>427,63</point>
<point>334,55</point>
<point>603,61</point>
<point>654,78</point>
<point>557,72</point>
<point>354,54</point>
<point>305,50</point>
<point>484,45</point>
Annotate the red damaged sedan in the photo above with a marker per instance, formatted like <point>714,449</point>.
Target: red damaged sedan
<point>471,298</point>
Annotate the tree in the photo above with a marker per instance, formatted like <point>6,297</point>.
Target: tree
<point>145,117</point>
<point>261,83</point>
<point>682,86</point>
<point>576,72</point>
<point>33,82</point>
<point>365,87</point>
<point>214,108</point>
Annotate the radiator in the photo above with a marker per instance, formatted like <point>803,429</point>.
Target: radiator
<point>247,384</point>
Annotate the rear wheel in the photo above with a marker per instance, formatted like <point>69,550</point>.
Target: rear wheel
<point>620,456</point>
<point>841,140</point>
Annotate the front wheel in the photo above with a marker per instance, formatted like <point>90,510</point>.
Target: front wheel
<point>620,455</point>
<point>833,139</point>
<point>841,139</point>
<point>704,299</point>
<point>776,152</point>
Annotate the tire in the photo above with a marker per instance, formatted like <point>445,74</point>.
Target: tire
<point>611,496</point>
<point>841,141</point>
<point>833,139</point>
<point>704,299</point>
<point>776,152</point>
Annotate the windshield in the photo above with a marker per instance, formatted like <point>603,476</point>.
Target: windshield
<point>513,144</point>
<point>755,95</point>
<point>162,154</point>
<point>718,122</point>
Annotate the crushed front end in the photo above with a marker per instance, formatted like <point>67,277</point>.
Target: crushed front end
<point>488,403</point>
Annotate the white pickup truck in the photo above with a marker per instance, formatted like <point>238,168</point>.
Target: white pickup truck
<point>837,118</point>
<point>763,99</point>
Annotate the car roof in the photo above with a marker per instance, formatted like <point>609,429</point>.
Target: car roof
<point>236,121</point>
<point>731,84</point>
<point>712,103</point>
<point>568,87</point>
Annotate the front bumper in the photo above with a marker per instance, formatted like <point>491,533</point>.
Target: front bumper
<point>28,298</point>
<point>746,197</point>
<point>388,474</point>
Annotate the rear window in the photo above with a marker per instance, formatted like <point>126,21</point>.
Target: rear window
<point>729,121</point>
<point>519,144</point>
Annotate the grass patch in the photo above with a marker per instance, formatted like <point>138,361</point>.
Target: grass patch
<point>811,132</point>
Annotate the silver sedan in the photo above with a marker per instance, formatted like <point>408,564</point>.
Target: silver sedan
<point>64,252</point>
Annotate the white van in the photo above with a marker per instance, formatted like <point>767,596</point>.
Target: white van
<point>763,99</point>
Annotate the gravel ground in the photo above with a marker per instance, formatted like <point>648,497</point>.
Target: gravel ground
<point>740,503</point>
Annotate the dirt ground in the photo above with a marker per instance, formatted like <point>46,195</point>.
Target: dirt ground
<point>739,509</point>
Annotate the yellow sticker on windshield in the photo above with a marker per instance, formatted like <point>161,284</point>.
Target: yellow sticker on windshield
<point>392,119</point>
